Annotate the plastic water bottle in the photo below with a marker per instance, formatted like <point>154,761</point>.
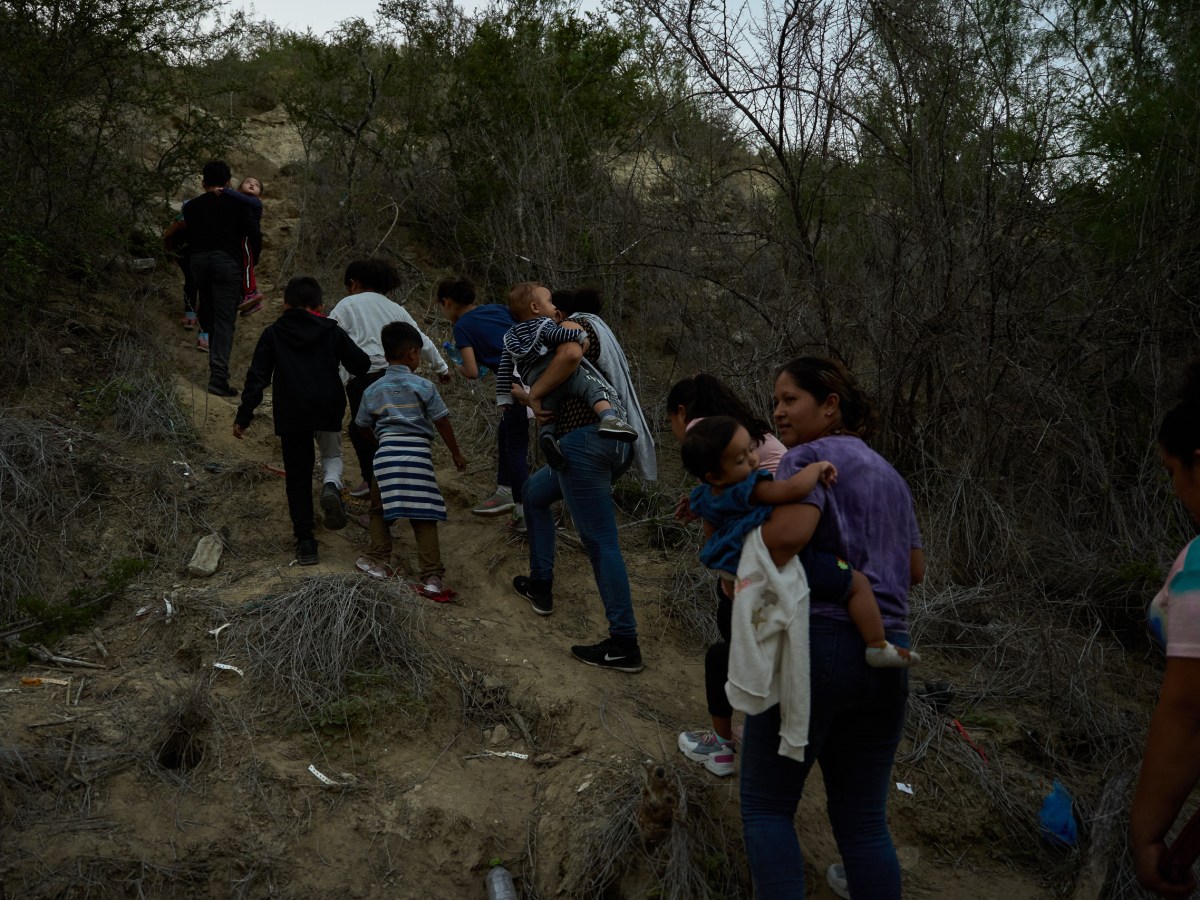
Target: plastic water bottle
<point>452,352</point>
<point>500,884</point>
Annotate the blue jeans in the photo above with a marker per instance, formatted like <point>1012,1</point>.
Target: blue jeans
<point>593,464</point>
<point>512,444</point>
<point>855,727</point>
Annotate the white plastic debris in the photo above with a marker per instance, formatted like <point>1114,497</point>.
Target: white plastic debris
<point>229,668</point>
<point>905,788</point>
<point>347,778</point>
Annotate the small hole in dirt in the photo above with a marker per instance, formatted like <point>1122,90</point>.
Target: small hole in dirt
<point>182,751</point>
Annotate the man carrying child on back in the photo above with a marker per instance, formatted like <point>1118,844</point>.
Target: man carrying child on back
<point>530,344</point>
<point>299,352</point>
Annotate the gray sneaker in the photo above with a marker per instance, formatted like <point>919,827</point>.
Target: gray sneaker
<point>496,505</point>
<point>617,429</point>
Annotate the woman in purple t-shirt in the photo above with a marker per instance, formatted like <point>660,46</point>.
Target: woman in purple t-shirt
<point>857,714</point>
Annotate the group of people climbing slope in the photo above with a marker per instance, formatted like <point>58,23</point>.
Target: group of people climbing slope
<point>811,533</point>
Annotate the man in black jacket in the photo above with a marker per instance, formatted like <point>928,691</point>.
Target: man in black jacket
<point>300,351</point>
<point>216,227</point>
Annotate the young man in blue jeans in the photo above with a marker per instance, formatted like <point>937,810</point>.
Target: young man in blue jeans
<point>595,463</point>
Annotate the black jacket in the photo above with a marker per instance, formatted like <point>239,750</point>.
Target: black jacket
<point>300,353</point>
<point>219,223</point>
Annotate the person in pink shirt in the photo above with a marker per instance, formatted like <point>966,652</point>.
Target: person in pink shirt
<point>688,402</point>
<point>1171,761</point>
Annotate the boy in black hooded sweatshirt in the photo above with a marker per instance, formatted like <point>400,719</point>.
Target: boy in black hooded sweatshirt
<point>300,351</point>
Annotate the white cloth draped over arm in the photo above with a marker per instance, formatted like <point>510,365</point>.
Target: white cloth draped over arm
<point>768,648</point>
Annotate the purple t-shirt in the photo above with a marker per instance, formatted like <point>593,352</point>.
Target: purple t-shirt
<point>867,519</point>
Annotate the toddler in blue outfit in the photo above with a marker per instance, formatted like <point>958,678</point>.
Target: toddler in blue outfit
<point>736,497</point>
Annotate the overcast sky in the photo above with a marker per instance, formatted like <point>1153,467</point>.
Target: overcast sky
<point>323,15</point>
<point>319,15</point>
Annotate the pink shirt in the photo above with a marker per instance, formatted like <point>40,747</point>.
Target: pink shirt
<point>1174,615</point>
<point>770,450</point>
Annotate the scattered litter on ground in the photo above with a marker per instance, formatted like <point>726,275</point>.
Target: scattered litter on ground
<point>1057,818</point>
<point>511,754</point>
<point>347,778</point>
<point>962,732</point>
<point>36,682</point>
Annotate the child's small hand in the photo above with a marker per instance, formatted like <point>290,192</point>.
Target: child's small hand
<point>460,461</point>
<point>683,509</point>
<point>828,473</point>
<point>238,431</point>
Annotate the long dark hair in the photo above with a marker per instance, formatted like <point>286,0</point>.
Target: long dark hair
<point>822,377</point>
<point>580,300</point>
<point>702,395</point>
<point>1179,434</point>
<point>374,274</point>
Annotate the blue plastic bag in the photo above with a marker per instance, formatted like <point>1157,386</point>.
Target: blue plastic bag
<point>1058,821</point>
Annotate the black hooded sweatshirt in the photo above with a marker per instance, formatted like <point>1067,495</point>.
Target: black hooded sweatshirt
<point>300,352</point>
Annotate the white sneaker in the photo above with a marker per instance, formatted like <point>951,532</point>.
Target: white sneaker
<point>835,877</point>
<point>705,747</point>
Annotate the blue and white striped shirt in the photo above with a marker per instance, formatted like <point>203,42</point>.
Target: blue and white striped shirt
<point>401,403</point>
<point>533,337</point>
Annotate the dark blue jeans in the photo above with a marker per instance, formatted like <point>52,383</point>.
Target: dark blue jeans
<point>512,445</point>
<point>364,447</point>
<point>857,719</point>
<point>593,464</point>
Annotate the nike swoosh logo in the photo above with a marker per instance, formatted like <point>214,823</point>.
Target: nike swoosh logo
<point>608,658</point>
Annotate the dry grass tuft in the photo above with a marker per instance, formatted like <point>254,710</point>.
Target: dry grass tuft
<point>312,642</point>
<point>39,489</point>
<point>699,856</point>
<point>489,701</point>
<point>690,603</point>
<point>142,394</point>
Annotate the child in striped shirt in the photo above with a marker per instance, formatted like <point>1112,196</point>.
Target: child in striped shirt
<point>402,411</point>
